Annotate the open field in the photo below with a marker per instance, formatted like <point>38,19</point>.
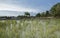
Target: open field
<point>30,28</point>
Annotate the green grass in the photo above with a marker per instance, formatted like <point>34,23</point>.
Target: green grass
<point>30,28</point>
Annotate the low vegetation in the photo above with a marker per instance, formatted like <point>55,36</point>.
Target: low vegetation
<point>30,28</point>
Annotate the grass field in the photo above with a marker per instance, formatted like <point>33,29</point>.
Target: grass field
<point>30,28</point>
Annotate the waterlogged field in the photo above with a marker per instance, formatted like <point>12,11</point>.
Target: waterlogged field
<point>30,28</point>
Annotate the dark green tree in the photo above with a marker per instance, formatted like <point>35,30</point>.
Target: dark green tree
<point>43,14</point>
<point>55,10</point>
<point>27,14</point>
<point>47,14</point>
<point>38,15</point>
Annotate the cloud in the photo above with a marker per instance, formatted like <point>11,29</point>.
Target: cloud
<point>15,8</point>
<point>18,5</point>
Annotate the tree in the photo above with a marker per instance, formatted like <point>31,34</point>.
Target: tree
<point>43,14</point>
<point>47,14</point>
<point>38,15</point>
<point>27,14</point>
<point>55,10</point>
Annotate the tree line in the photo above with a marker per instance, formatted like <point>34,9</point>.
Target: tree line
<point>53,12</point>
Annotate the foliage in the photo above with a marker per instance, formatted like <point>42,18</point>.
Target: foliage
<point>38,15</point>
<point>33,28</point>
<point>47,14</point>
<point>43,14</point>
<point>27,14</point>
<point>55,10</point>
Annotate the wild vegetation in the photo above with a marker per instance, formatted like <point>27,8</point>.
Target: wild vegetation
<point>30,28</point>
<point>33,27</point>
<point>53,12</point>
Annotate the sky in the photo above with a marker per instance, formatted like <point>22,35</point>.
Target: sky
<point>27,5</point>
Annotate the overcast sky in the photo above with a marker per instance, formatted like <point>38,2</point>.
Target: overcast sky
<point>27,5</point>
